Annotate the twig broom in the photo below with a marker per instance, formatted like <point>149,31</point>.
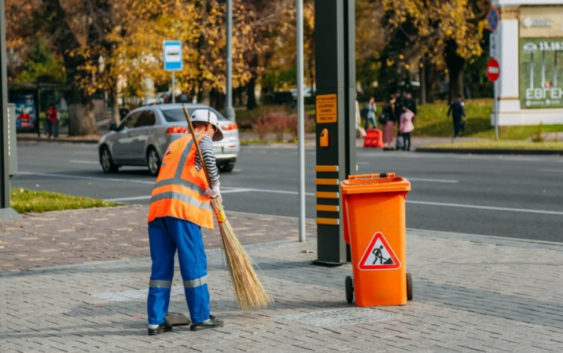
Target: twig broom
<point>249,291</point>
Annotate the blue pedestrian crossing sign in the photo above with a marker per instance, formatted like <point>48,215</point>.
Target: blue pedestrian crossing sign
<point>492,18</point>
<point>172,55</point>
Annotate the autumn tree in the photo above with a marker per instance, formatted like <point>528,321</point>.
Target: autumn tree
<point>371,40</point>
<point>395,38</point>
<point>72,24</point>
<point>199,25</point>
<point>19,32</point>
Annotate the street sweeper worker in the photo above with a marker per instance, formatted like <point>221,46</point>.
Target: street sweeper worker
<point>179,207</point>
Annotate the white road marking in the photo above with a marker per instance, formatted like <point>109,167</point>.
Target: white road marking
<point>83,162</point>
<point>447,181</point>
<point>285,192</point>
<point>492,208</point>
<point>494,157</point>
<point>234,191</point>
<point>133,198</point>
<point>223,191</point>
<point>551,170</point>
<point>57,175</point>
<point>269,191</point>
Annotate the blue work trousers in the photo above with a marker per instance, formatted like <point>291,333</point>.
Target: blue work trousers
<point>166,235</point>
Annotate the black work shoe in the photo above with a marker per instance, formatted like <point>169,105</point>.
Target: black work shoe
<point>209,323</point>
<point>164,327</point>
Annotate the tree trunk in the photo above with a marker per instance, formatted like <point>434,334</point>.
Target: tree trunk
<point>115,117</point>
<point>422,79</point>
<point>456,82</point>
<point>205,96</point>
<point>251,57</point>
<point>84,122</point>
<point>456,66</point>
<point>81,115</point>
<point>251,97</point>
<point>431,79</point>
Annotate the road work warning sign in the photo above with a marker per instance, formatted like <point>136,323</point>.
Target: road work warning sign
<point>379,255</point>
<point>326,109</point>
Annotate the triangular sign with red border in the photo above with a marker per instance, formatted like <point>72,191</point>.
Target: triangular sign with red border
<point>379,255</point>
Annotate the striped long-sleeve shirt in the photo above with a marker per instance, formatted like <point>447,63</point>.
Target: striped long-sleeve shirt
<point>206,146</point>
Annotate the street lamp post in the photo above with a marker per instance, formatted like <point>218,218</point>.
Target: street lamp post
<point>5,210</point>
<point>301,120</point>
<point>229,111</point>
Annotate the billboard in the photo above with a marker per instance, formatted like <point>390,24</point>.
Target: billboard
<point>541,56</point>
<point>541,72</point>
<point>26,111</point>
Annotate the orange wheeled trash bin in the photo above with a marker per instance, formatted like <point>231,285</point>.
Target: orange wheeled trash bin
<point>373,208</point>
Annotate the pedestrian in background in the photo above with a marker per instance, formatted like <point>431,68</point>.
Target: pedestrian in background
<point>406,127</point>
<point>179,207</point>
<point>51,122</point>
<point>398,99</point>
<point>370,110</point>
<point>457,110</point>
<point>388,119</point>
<point>410,103</point>
<point>360,132</point>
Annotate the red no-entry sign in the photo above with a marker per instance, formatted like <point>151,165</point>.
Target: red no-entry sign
<point>493,70</point>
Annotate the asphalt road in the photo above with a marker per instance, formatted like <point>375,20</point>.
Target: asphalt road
<point>511,196</point>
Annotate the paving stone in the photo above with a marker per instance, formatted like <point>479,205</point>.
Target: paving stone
<point>471,293</point>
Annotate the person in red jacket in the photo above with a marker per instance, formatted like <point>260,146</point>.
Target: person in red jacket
<point>52,118</point>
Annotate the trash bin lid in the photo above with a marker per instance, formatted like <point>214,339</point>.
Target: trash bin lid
<point>374,183</point>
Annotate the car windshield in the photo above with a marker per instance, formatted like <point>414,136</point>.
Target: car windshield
<point>174,115</point>
<point>177,115</point>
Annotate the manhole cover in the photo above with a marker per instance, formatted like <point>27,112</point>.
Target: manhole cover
<point>340,317</point>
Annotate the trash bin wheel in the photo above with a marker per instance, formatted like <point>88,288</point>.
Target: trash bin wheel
<point>349,290</point>
<point>409,286</point>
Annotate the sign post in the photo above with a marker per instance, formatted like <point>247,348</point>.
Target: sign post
<point>173,59</point>
<point>493,73</point>
<point>493,67</point>
<point>493,45</point>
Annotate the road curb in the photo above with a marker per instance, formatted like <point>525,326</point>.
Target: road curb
<point>488,151</point>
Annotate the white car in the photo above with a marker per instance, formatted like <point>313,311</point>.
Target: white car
<point>144,134</point>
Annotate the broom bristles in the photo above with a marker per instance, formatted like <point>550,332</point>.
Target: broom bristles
<point>248,289</point>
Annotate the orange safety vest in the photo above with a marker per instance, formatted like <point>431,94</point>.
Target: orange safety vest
<point>179,190</point>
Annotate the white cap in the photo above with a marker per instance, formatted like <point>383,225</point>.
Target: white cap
<point>207,116</point>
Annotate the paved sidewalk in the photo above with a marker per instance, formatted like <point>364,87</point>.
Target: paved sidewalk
<point>471,293</point>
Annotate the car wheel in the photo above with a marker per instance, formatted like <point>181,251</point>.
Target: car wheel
<point>227,166</point>
<point>153,161</point>
<point>106,161</point>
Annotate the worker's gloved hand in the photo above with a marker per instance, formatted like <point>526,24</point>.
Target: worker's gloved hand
<point>214,191</point>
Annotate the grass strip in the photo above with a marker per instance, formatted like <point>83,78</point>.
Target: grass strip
<point>23,200</point>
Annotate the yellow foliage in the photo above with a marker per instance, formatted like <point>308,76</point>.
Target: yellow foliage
<point>436,22</point>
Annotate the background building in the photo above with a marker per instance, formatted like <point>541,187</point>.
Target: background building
<point>529,47</point>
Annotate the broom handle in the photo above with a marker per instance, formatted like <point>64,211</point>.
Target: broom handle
<point>192,131</point>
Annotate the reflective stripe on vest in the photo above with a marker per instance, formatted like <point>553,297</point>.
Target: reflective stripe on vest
<point>179,190</point>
